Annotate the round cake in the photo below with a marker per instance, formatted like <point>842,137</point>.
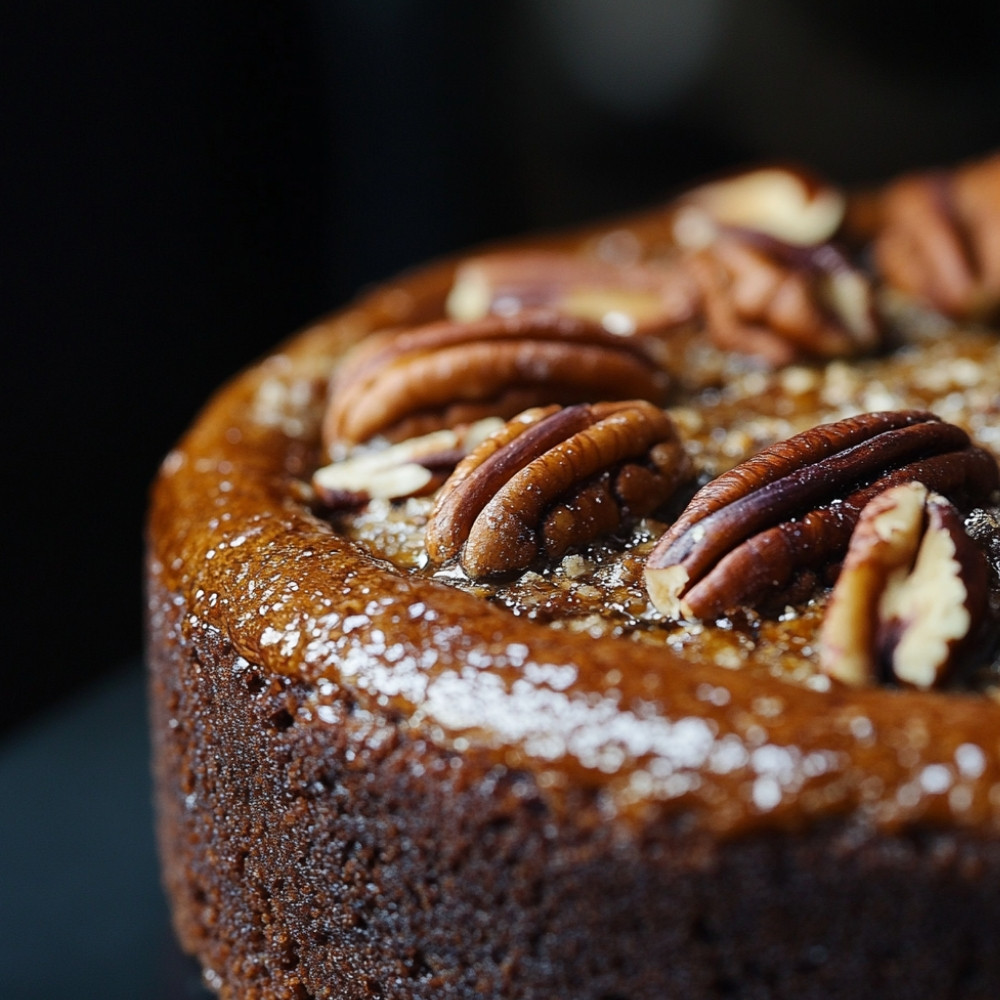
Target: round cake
<point>610,616</point>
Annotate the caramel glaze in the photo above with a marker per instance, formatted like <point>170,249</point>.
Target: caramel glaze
<point>653,734</point>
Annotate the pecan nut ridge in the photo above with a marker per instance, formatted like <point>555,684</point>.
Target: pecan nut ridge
<point>552,480</point>
<point>773,464</point>
<point>791,508</point>
<point>797,556</point>
<point>912,594</point>
<point>494,462</point>
<point>403,383</point>
<point>784,303</point>
<point>934,238</point>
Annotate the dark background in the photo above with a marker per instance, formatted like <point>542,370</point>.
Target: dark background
<point>182,184</point>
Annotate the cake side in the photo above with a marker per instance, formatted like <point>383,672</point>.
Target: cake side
<point>330,853</point>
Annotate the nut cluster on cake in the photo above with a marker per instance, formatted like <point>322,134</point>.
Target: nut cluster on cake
<point>557,406</point>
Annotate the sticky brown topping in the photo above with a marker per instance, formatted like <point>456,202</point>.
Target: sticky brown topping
<point>751,270</point>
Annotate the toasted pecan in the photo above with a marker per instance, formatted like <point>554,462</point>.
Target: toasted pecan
<point>791,508</point>
<point>402,383</point>
<point>553,479</point>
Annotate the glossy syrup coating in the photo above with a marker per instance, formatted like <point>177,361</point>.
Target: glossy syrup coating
<point>576,747</point>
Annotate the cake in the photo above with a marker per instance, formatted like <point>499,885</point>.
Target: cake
<point>608,616</point>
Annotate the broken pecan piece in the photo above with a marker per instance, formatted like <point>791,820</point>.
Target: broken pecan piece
<point>790,509</point>
<point>788,203</point>
<point>402,383</point>
<point>624,299</point>
<point>938,238</point>
<point>555,478</point>
<point>911,595</point>
<point>410,468</point>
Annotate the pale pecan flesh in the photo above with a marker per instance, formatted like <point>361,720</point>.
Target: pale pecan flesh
<point>403,383</point>
<point>790,510</point>
<point>634,298</point>
<point>911,596</point>
<point>553,479</point>
<point>410,468</point>
<point>938,238</point>
<point>788,203</point>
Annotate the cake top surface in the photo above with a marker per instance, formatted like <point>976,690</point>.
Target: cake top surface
<point>675,350</point>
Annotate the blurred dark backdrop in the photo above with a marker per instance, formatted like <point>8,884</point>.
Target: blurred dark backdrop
<point>184,183</point>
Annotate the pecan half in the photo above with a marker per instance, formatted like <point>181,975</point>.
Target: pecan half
<point>788,203</point>
<point>403,383</point>
<point>410,468</point>
<point>552,479</point>
<point>750,534</point>
<point>771,282</point>
<point>912,593</point>
<point>624,299</point>
<point>938,238</point>
<point>784,303</point>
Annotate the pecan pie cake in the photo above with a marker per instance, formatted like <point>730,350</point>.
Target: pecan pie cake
<point>606,617</point>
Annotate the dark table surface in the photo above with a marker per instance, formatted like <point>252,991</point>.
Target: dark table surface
<point>81,909</point>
